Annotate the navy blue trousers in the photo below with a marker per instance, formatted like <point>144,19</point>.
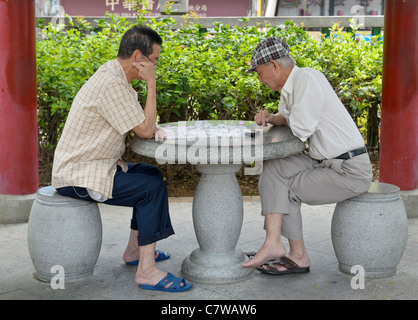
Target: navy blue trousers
<point>142,188</point>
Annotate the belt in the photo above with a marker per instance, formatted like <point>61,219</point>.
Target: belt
<point>352,153</point>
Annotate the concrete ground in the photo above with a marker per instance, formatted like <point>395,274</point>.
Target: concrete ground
<point>113,280</point>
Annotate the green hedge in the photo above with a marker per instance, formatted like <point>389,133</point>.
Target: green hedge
<point>202,75</point>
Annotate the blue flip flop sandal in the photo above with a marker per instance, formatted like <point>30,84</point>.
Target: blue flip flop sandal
<point>161,257</point>
<point>174,287</point>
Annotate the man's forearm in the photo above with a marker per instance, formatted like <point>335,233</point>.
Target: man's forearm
<point>277,119</point>
<point>146,129</point>
<point>150,109</point>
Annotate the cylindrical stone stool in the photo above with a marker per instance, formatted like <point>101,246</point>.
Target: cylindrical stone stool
<point>370,230</point>
<point>63,232</point>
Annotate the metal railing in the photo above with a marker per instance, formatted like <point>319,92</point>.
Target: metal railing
<point>375,23</point>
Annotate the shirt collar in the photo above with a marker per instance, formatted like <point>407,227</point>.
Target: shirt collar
<point>288,86</point>
<point>116,68</point>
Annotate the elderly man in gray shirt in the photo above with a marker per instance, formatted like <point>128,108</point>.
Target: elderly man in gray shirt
<point>336,168</point>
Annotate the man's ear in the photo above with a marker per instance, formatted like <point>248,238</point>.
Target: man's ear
<point>136,55</point>
<point>276,65</point>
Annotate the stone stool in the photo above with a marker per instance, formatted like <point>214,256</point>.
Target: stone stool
<point>371,230</point>
<point>64,232</point>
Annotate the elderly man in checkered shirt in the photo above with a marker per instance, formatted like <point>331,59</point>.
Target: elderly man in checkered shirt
<point>336,168</point>
<point>87,162</point>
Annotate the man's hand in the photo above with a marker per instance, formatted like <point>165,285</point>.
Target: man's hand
<point>146,70</point>
<point>264,117</point>
<point>159,134</point>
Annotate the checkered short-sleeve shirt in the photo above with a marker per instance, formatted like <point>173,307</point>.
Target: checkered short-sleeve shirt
<point>93,139</point>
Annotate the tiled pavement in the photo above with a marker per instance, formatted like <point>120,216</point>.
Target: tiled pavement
<point>113,280</point>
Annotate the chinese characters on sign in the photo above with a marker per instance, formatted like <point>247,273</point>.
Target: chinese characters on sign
<point>112,3</point>
<point>115,6</point>
<point>128,5</point>
<point>197,8</point>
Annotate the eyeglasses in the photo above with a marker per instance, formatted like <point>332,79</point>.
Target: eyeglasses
<point>154,63</point>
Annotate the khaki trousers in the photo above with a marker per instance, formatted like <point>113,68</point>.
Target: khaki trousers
<point>286,183</point>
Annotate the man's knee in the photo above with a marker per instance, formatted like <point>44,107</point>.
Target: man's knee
<point>272,173</point>
<point>147,169</point>
<point>157,186</point>
<point>155,172</point>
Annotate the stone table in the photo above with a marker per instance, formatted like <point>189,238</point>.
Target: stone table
<point>218,149</point>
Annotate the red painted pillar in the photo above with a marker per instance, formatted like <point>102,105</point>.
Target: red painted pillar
<point>18,110</point>
<point>399,119</point>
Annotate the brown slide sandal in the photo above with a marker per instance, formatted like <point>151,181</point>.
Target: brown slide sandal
<point>290,265</point>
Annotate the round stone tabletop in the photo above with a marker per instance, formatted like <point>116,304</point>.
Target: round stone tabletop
<point>218,142</point>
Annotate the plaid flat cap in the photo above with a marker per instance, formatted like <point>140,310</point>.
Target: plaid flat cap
<point>268,49</point>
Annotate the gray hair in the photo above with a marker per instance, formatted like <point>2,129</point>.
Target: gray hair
<point>285,61</point>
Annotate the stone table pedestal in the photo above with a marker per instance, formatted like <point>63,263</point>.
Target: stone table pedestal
<point>217,202</point>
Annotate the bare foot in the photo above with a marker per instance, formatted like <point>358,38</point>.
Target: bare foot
<point>151,276</point>
<point>267,252</point>
<point>132,255</point>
